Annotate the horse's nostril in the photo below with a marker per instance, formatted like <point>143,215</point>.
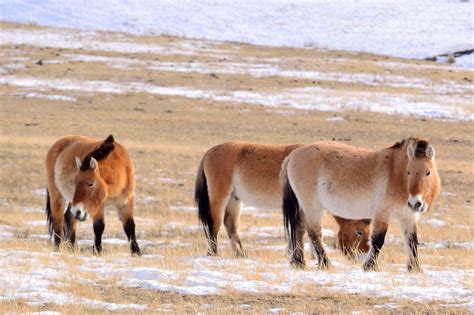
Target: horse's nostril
<point>417,205</point>
<point>409,204</point>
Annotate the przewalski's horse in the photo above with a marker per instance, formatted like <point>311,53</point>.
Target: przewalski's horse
<point>401,182</point>
<point>85,175</point>
<point>233,173</point>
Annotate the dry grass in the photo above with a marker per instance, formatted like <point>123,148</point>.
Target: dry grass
<point>166,137</point>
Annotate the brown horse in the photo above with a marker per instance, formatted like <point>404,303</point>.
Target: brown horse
<point>233,173</point>
<point>400,181</point>
<point>84,176</point>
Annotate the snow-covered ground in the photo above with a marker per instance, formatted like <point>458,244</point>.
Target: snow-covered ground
<point>446,99</point>
<point>37,282</point>
<point>413,29</point>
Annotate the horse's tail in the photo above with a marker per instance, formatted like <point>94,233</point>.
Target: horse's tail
<point>201,197</point>
<point>49,218</point>
<point>291,213</point>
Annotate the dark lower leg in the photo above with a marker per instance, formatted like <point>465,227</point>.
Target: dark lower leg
<point>99,227</point>
<point>413,264</point>
<point>377,241</point>
<point>70,227</point>
<point>297,255</point>
<point>58,231</point>
<point>315,236</point>
<point>129,228</point>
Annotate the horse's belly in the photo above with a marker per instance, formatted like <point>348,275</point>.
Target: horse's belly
<point>355,204</point>
<point>350,209</point>
<point>260,198</point>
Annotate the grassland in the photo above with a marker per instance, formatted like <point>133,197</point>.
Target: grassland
<point>167,135</point>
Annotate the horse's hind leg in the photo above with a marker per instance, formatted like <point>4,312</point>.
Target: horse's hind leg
<point>313,226</point>
<point>218,206</point>
<point>126,216</point>
<point>231,223</point>
<point>71,224</point>
<point>56,216</point>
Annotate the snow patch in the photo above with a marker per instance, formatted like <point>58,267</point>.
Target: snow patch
<point>413,29</point>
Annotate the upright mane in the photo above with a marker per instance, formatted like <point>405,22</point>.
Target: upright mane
<point>419,145</point>
<point>100,153</point>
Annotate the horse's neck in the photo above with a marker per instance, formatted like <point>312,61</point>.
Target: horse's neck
<point>397,172</point>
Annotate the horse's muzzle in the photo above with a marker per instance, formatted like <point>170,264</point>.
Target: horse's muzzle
<point>416,204</point>
<point>79,213</point>
<point>81,216</point>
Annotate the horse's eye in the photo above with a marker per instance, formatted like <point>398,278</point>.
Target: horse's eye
<point>408,172</point>
<point>428,173</point>
<point>359,233</point>
<point>90,184</point>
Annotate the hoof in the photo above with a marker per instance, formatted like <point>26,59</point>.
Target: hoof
<point>370,266</point>
<point>240,255</point>
<point>135,250</point>
<point>414,269</point>
<point>298,264</point>
<point>325,264</point>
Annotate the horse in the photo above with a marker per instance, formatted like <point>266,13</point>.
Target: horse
<point>84,176</point>
<point>401,181</point>
<point>233,173</point>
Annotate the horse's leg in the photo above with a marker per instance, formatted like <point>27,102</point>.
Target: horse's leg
<point>99,227</point>
<point>377,239</point>
<point>408,229</point>
<point>126,216</point>
<point>313,225</point>
<point>296,249</point>
<point>57,205</point>
<point>217,216</point>
<point>71,223</point>
<point>231,223</point>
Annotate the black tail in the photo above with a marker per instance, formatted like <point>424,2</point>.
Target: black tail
<point>49,218</point>
<point>293,222</point>
<point>291,215</point>
<point>201,197</point>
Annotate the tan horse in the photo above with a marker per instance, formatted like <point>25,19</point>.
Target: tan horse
<point>233,173</point>
<point>84,176</point>
<point>354,183</point>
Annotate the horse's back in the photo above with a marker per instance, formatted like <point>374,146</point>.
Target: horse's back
<point>342,177</point>
<point>250,170</point>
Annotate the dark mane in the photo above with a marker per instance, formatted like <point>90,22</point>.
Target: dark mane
<point>419,145</point>
<point>398,145</point>
<point>420,149</point>
<point>100,153</point>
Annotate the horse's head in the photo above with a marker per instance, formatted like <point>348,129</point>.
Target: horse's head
<point>353,236</point>
<point>90,190</point>
<point>423,182</point>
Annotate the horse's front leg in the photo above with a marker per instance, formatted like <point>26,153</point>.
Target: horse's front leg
<point>99,227</point>
<point>408,229</point>
<point>377,239</point>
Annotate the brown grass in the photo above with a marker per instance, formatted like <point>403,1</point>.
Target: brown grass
<point>166,137</point>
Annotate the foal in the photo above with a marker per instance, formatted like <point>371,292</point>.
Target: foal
<point>400,181</point>
<point>86,174</point>
<point>233,173</point>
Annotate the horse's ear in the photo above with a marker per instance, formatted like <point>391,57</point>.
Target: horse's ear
<point>78,163</point>
<point>410,150</point>
<point>430,152</point>
<point>94,165</point>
